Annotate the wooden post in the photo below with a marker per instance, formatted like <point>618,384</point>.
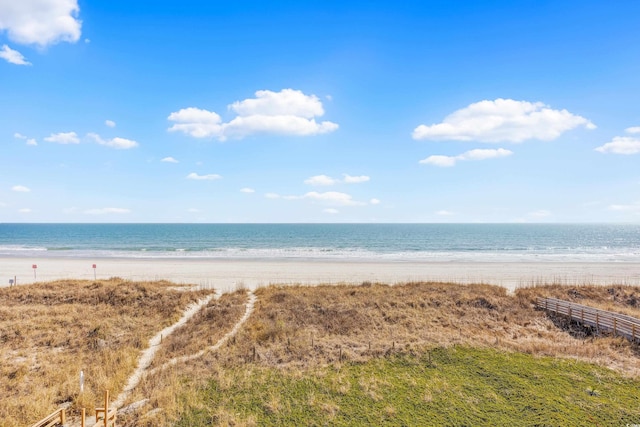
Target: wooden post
<point>63,417</point>
<point>82,417</point>
<point>106,407</point>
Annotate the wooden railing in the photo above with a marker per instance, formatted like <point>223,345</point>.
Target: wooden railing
<point>56,419</point>
<point>601,320</point>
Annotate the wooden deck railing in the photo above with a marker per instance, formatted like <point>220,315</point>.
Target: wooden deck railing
<point>601,320</point>
<point>55,419</point>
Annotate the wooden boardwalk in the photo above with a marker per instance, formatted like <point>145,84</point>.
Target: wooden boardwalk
<point>600,320</point>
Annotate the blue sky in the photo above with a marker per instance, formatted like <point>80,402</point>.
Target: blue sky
<point>319,111</point>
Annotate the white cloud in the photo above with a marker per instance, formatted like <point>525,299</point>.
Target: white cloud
<point>194,210</point>
<point>32,141</point>
<point>272,196</point>
<point>445,213</point>
<point>503,120</point>
<point>18,135</point>
<point>20,189</point>
<point>635,207</point>
<point>247,190</point>
<point>288,112</point>
<point>635,129</point>
<point>169,160</point>
<point>105,211</point>
<point>117,143</point>
<point>320,180</point>
<point>621,145</point>
<point>41,22</point>
<point>13,56</point>
<point>63,138</point>
<point>331,211</point>
<point>110,123</point>
<point>374,201</point>
<point>332,198</point>
<point>348,179</point>
<point>25,210</point>
<point>209,177</point>
<point>477,154</point>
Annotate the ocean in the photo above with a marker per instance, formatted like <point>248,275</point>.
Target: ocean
<point>350,242</point>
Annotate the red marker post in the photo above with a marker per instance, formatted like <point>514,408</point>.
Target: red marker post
<point>35,267</point>
<point>94,272</point>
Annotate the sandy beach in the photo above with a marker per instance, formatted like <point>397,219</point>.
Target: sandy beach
<point>227,275</point>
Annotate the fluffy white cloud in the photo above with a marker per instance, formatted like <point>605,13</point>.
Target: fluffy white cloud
<point>247,190</point>
<point>169,160</point>
<point>331,211</point>
<point>64,138</point>
<point>110,123</point>
<point>288,112</point>
<point>374,201</point>
<point>13,56</point>
<point>117,143</point>
<point>635,129</point>
<point>105,211</point>
<point>503,120</point>
<point>348,179</point>
<point>40,22</point>
<point>25,210</point>
<point>272,196</point>
<point>621,145</point>
<point>635,207</point>
<point>18,135</point>
<point>332,198</point>
<point>321,180</point>
<point>444,213</point>
<point>542,213</point>
<point>477,154</point>
<point>20,189</point>
<point>32,141</point>
<point>209,177</point>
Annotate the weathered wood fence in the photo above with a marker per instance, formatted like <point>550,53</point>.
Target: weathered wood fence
<point>601,320</point>
<point>55,419</point>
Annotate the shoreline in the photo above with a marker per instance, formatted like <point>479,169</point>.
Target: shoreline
<point>229,274</point>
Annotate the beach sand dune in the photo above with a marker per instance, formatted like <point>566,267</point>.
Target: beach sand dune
<point>227,275</point>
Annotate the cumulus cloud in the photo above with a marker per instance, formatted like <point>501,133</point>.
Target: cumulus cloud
<point>25,210</point>
<point>622,144</point>
<point>374,201</point>
<point>477,154</point>
<point>169,160</point>
<point>320,180</point>
<point>503,120</point>
<point>272,195</point>
<point>106,211</point>
<point>117,143</point>
<point>110,123</point>
<point>288,112</point>
<point>40,22</point>
<point>209,177</point>
<point>13,56</point>
<point>32,141</point>
<point>331,211</point>
<point>634,207</point>
<point>63,138</point>
<point>18,135</point>
<point>444,212</point>
<point>247,190</point>
<point>20,189</point>
<point>332,198</point>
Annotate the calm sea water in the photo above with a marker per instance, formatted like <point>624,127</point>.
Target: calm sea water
<point>389,242</point>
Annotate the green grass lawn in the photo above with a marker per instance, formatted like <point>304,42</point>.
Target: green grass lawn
<point>455,386</point>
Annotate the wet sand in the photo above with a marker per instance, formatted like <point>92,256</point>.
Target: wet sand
<point>227,275</point>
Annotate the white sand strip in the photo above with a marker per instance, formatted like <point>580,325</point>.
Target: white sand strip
<point>227,275</point>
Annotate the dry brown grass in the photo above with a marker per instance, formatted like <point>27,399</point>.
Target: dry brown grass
<point>51,331</point>
<point>300,328</point>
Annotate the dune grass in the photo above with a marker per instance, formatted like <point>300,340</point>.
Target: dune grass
<point>49,332</point>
